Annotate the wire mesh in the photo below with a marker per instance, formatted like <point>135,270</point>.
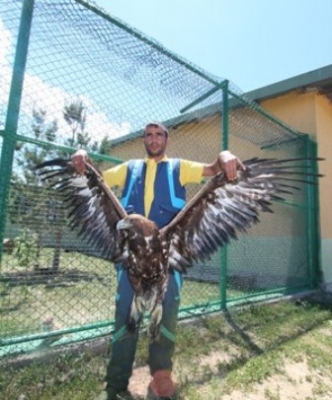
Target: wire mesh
<point>91,81</point>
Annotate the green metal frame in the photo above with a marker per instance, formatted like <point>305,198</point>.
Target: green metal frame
<point>312,219</point>
<point>230,99</point>
<point>225,140</point>
<point>15,95</point>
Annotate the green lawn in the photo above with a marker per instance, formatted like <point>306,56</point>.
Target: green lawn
<point>81,293</point>
<point>279,351</point>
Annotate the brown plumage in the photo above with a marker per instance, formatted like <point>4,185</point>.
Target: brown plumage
<point>147,265</point>
<point>214,215</point>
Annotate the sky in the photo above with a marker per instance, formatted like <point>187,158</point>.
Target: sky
<point>253,43</point>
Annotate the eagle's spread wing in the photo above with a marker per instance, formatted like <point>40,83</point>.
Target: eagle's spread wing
<point>222,208</point>
<point>93,208</point>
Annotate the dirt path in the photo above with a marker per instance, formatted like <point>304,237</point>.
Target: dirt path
<point>297,382</point>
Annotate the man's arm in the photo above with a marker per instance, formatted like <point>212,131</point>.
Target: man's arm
<point>115,176</point>
<point>227,162</point>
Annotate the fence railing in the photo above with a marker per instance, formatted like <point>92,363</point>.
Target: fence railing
<point>73,76</point>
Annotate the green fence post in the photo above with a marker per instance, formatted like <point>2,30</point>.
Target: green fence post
<point>14,101</point>
<point>312,220</point>
<point>223,257</point>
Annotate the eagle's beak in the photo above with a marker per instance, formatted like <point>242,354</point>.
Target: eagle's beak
<point>123,224</point>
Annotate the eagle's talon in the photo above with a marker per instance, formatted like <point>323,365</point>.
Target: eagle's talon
<point>132,326</point>
<point>154,332</point>
<point>155,319</point>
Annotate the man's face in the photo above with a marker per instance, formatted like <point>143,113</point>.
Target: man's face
<point>155,142</point>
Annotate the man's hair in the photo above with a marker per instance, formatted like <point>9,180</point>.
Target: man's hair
<point>156,125</point>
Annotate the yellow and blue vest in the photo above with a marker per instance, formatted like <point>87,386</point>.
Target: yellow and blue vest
<point>169,194</point>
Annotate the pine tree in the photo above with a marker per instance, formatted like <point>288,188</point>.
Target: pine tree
<point>27,187</point>
<point>25,209</point>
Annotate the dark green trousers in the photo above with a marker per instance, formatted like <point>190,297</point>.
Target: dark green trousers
<point>123,348</point>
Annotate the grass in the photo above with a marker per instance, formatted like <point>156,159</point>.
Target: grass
<point>276,351</point>
<point>82,293</point>
<point>79,294</point>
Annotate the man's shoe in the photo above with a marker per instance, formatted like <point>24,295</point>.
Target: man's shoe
<point>162,387</point>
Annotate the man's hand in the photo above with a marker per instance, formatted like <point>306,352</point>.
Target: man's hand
<point>79,159</point>
<point>229,163</point>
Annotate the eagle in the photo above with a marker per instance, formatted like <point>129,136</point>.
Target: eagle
<point>215,215</point>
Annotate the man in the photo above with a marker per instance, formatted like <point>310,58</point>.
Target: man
<point>154,187</point>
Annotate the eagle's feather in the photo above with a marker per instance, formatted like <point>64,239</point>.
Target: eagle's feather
<point>216,214</point>
<point>221,209</point>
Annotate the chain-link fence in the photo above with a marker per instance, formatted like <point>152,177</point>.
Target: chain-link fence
<point>72,76</point>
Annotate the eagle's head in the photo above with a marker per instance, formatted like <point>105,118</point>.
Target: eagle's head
<point>137,223</point>
<point>142,235</point>
<point>138,230</point>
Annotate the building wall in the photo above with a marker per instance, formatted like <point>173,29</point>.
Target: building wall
<point>183,142</point>
<point>296,109</point>
<point>308,112</point>
<point>312,113</point>
<point>324,139</point>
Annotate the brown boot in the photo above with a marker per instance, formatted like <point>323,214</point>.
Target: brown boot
<point>162,387</point>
